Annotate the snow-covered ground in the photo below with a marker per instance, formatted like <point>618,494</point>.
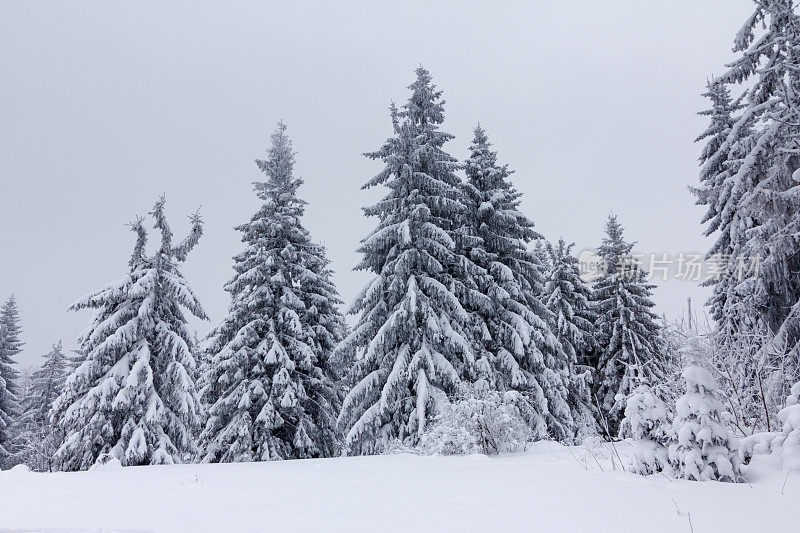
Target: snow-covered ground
<point>548,488</point>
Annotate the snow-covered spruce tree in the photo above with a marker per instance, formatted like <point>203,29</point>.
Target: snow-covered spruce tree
<point>647,424</point>
<point>408,347</point>
<point>629,336</point>
<point>46,385</point>
<point>39,438</point>
<point>511,323</point>
<point>726,146</point>
<point>714,166</point>
<point>569,298</point>
<point>133,395</point>
<point>703,448</point>
<point>10,347</point>
<point>271,388</point>
<point>740,328</point>
<point>540,250</point>
<point>766,181</point>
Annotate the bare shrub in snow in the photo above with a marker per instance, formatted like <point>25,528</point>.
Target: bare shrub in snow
<point>747,380</point>
<point>37,445</point>
<point>480,422</point>
<point>788,442</point>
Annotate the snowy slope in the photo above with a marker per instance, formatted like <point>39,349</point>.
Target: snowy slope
<point>549,488</point>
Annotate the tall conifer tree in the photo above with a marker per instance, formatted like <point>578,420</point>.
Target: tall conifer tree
<point>133,396</point>
<point>46,385</point>
<point>631,349</point>
<point>511,321</point>
<point>727,142</point>
<point>766,183</point>
<point>569,298</point>
<point>271,386</point>
<point>39,439</point>
<point>409,343</point>
<point>10,348</point>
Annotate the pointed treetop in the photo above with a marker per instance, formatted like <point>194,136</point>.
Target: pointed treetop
<point>278,166</point>
<point>9,308</point>
<point>10,343</point>
<point>425,105</point>
<point>614,239</point>
<point>10,327</point>
<point>482,163</point>
<point>562,249</point>
<point>161,223</point>
<point>10,305</point>
<point>721,112</point>
<point>481,146</point>
<point>614,229</point>
<point>137,226</point>
<point>280,161</point>
<point>480,138</point>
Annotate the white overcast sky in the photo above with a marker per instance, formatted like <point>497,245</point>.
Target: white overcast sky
<point>106,105</point>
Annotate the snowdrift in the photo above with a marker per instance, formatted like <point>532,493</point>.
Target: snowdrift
<point>548,488</point>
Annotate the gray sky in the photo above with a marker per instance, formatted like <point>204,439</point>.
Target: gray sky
<point>104,106</point>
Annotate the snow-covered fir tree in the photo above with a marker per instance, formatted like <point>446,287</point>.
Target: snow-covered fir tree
<point>46,385</point>
<point>726,144</point>
<point>39,437</point>
<point>764,194</point>
<point>569,298</point>
<point>271,387</point>
<point>10,347</point>
<point>512,324</point>
<point>740,328</point>
<point>703,447</point>
<point>714,162</point>
<point>409,347</point>
<point>646,422</point>
<point>629,336</point>
<point>133,396</point>
<point>542,254</point>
